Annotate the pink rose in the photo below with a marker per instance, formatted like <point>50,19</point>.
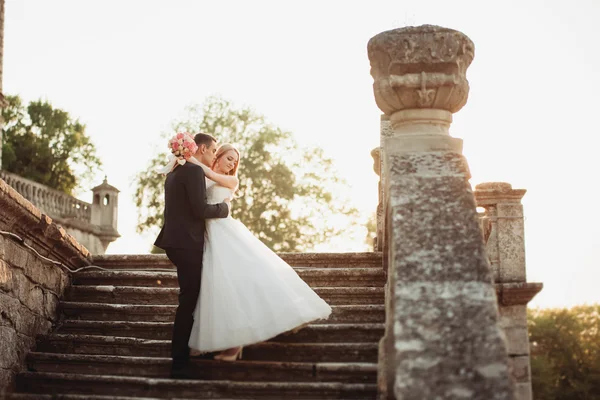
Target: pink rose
<point>180,136</point>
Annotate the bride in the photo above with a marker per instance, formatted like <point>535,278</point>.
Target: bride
<point>248,293</point>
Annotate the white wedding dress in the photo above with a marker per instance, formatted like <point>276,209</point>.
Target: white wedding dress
<point>248,294</point>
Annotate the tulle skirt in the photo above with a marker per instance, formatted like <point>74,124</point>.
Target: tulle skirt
<point>248,293</point>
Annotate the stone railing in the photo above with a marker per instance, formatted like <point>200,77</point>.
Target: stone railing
<point>30,285</point>
<point>445,336</point>
<point>50,201</point>
<point>91,224</point>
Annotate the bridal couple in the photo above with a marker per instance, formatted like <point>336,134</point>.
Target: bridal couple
<point>233,290</point>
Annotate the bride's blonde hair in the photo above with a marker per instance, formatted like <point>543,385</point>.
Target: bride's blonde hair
<point>224,148</point>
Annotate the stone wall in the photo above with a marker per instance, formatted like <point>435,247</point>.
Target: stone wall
<point>90,240</point>
<point>30,287</point>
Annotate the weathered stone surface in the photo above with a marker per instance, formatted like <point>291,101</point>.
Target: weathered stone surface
<point>513,316</point>
<point>14,348</point>
<point>29,286</point>
<point>92,225</point>
<point>443,317</point>
<point>506,243</point>
<point>319,277</point>
<point>315,333</point>
<point>165,313</point>
<point>506,250</point>
<point>342,349</point>
<point>420,67</point>
<point>521,293</point>
<point>21,217</point>
<point>169,295</point>
<point>6,276</point>
<point>51,301</point>
<point>17,316</point>
<point>8,344</point>
<point>239,371</point>
<point>7,381</point>
<point>520,368</point>
<point>523,391</point>
<point>300,260</point>
<point>447,339</point>
<point>37,396</point>
<point>169,388</point>
<point>513,320</point>
<point>267,351</point>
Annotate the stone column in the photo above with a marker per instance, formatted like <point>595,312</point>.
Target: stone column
<point>442,337</point>
<point>2,101</point>
<point>378,244</point>
<point>385,130</point>
<point>506,251</point>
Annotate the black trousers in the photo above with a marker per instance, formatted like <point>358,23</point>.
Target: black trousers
<point>189,273</point>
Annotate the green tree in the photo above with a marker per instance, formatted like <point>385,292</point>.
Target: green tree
<point>286,193</point>
<point>46,145</point>
<point>565,353</point>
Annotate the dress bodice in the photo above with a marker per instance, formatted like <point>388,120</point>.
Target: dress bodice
<point>216,193</point>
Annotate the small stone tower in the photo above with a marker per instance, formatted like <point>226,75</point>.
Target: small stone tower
<point>104,212</point>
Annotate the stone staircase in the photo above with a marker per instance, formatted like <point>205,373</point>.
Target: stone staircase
<point>113,340</point>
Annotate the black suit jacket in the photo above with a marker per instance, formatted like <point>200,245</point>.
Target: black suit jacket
<point>186,209</point>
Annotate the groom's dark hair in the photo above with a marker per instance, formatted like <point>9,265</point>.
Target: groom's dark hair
<point>204,138</point>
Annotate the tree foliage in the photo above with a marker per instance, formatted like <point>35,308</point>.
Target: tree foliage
<point>565,353</point>
<point>46,145</point>
<point>286,194</point>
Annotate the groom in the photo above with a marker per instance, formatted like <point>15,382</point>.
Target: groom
<point>182,237</point>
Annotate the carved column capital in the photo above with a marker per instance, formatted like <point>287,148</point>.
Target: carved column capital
<point>420,67</point>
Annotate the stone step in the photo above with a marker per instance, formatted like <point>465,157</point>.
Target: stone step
<point>168,295</point>
<point>302,260</point>
<point>319,333</point>
<point>45,382</point>
<point>210,369</point>
<point>315,277</point>
<point>166,313</point>
<point>266,351</point>
<point>59,396</point>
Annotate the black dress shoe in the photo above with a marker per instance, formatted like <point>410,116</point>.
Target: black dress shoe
<point>186,371</point>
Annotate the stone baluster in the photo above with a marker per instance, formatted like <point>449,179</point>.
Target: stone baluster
<point>442,337</point>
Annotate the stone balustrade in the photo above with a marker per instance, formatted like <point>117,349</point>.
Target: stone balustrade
<point>93,225</point>
<point>52,202</point>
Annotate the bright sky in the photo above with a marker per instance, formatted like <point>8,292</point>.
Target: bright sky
<point>126,68</point>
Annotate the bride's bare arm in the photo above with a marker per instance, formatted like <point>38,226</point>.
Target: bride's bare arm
<point>228,181</point>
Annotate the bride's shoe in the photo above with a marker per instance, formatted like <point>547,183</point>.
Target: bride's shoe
<point>230,357</point>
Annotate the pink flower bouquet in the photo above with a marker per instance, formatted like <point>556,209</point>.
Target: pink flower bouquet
<point>182,146</point>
